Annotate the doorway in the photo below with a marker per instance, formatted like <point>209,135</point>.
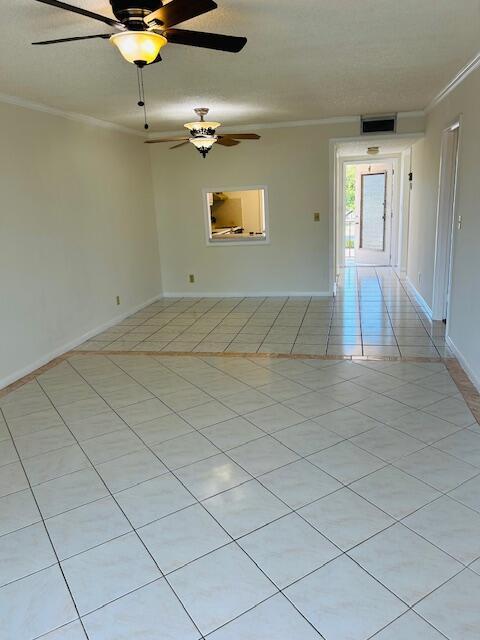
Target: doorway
<point>368,212</point>
<point>445,222</point>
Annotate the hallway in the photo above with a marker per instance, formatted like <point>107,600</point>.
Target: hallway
<point>373,314</point>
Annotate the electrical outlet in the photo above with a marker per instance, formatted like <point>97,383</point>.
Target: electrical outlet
<point>118,301</point>
<point>191,278</point>
<point>316,217</point>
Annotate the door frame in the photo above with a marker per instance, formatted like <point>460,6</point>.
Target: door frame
<point>446,217</point>
<point>404,217</point>
<point>340,209</point>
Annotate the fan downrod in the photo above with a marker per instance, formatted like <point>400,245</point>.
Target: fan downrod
<point>201,112</point>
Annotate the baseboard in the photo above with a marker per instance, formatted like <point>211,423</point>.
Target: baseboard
<point>474,378</point>
<point>420,299</point>
<point>73,343</point>
<point>249,294</point>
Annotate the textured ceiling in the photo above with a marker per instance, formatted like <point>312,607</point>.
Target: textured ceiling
<point>305,59</point>
<point>387,146</point>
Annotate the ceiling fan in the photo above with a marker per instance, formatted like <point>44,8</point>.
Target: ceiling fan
<point>203,135</point>
<point>144,27</point>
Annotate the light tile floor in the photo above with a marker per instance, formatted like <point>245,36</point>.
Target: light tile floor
<point>235,498</point>
<point>374,314</point>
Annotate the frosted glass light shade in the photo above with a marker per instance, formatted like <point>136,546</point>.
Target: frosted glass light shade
<point>139,46</point>
<point>204,142</point>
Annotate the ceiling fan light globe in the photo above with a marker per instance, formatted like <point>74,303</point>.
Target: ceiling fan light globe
<point>203,143</point>
<point>139,47</point>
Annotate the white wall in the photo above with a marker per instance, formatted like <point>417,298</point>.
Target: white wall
<point>465,299</point>
<point>77,228</point>
<point>78,225</point>
<point>294,165</point>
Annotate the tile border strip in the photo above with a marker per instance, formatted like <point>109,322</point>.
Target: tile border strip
<point>461,379</point>
<point>465,386</point>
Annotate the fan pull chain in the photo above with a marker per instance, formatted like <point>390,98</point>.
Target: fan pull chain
<point>141,95</point>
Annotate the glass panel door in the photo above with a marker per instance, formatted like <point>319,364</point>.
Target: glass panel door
<point>372,214</point>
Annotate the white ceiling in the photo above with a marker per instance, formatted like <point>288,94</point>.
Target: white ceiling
<point>305,59</point>
<point>388,146</point>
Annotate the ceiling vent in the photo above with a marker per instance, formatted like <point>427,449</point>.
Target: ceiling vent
<point>379,124</point>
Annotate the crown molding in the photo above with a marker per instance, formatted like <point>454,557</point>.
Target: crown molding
<point>244,128</point>
<point>95,122</point>
<point>69,115</point>
<point>469,68</point>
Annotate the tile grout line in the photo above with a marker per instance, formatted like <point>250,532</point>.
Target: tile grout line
<point>128,374</point>
<point>47,533</point>
<point>396,521</point>
<point>162,575</point>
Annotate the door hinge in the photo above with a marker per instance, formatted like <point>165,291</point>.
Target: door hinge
<point>410,176</point>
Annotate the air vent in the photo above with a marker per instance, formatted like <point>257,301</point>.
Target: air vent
<point>379,124</point>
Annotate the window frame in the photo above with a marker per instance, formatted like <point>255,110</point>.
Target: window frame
<point>259,241</point>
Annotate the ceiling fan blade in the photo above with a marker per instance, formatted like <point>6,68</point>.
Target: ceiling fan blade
<point>177,146</point>
<point>177,139</point>
<point>104,36</point>
<point>217,41</point>
<point>227,142</point>
<point>83,12</point>
<point>242,136</point>
<point>178,11</point>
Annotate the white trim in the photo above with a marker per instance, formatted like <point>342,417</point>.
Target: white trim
<point>333,197</point>
<point>473,64</point>
<point>404,213</point>
<point>445,220</point>
<point>420,299</point>
<point>68,346</point>
<point>210,242</point>
<point>474,378</point>
<point>244,128</point>
<point>249,294</point>
<point>69,115</point>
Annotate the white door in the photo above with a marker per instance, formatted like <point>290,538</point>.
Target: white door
<point>373,215</point>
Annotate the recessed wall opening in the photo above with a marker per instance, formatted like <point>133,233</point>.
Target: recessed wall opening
<point>371,194</point>
<point>236,215</point>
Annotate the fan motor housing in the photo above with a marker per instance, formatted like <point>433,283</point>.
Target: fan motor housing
<point>132,12</point>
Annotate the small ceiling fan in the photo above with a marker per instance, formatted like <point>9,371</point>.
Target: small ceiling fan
<point>203,135</point>
<point>144,27</point>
